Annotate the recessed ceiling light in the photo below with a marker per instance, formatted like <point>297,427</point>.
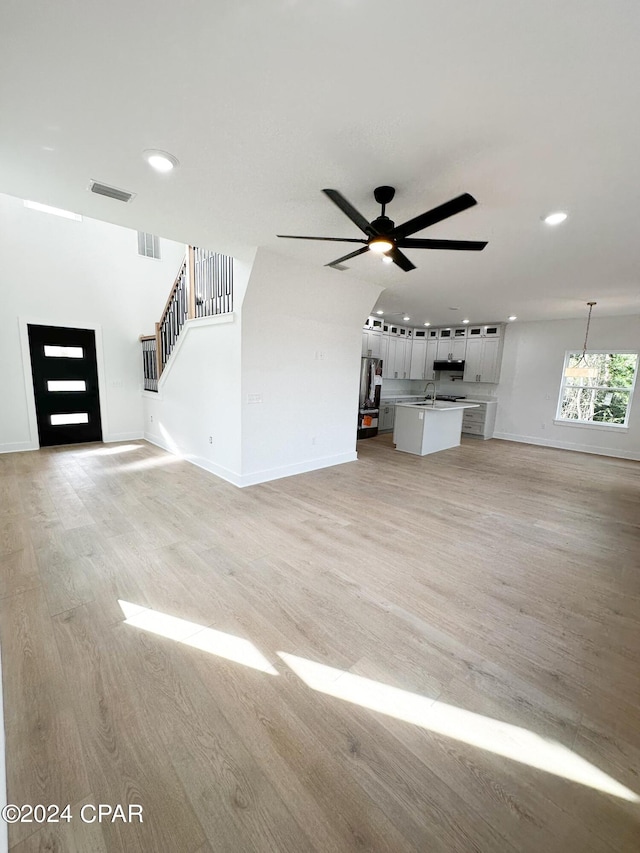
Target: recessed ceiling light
<point>555,218</point>
<point>453,309</point>
<point>56,211</point>
<point>406,318</point>
<point>161,161</point>
<point>386,259</point>
<point>427,324</point>
<point>465,321</point>
<point>513,317</point>
<point>379,312</point>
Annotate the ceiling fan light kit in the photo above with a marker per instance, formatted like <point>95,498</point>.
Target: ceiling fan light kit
<point>383,237</point>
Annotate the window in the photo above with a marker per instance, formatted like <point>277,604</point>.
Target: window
<point>66,385</point>
<point>72,418</point>
<point>148,245</point>
<point>597,389</point>
<point>63,352</point>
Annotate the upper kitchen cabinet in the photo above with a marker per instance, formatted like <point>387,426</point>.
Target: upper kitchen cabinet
<point>492,331</point>
<point>432,355</point>
<point>451,350</point>
<point>418,358</point>
<point>482,362</point>
<point>371,343</point>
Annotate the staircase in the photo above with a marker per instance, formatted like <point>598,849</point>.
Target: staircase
<point>202,288</point>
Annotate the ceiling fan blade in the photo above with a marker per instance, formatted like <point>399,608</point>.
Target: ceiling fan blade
<point>347,257</point>
<point>437,214</point>
<point>462,245</point>
<point>401,260</point>
<point>333,239</point>
<point>347,208</point>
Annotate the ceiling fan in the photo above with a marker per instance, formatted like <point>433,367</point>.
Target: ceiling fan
<point>386,238</point>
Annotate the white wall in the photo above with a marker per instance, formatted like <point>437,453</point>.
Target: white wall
<point>532,365</point>
<point>301,350</point>
<point>60,272</point>
<point>200,392</point>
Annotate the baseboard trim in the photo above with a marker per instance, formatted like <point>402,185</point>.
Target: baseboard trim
<point>123,436</point>
<point>18,447</point>
<point>254,479</point>
<point>568,445</point>
<point>269,474</point>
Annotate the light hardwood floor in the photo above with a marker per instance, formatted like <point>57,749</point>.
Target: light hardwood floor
<point>497,579</point>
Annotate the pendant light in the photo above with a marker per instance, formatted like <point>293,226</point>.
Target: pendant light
<point>581,369</point>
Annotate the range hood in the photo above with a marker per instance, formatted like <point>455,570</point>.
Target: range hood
<point>453,366</point>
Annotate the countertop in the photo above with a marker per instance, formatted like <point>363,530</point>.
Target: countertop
<point>440,406</point>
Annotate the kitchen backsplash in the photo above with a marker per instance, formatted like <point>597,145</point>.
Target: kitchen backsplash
<point>398,387</point>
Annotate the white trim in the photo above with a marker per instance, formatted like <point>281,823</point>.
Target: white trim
<point>244,480</point>
<point>23,322</point>
<point>18,447</point>
<point>567,355</point>
<point>123,436</point>
<point>217,320</point>
<point>590,425</point>
<point>297,468</point>
<point>569,445</point>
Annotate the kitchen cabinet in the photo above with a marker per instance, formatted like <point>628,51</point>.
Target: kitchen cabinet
<point>401,355</point>
<point>432,355</point>
<point>387,416</point>
<point>480,422</point>
<point>482,362</point>
<point>418,358</point>
<point>451,350</point>
<point>371,343</point>
<point>390,347</point>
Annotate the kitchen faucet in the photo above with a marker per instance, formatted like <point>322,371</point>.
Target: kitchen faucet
<point>433,398</point>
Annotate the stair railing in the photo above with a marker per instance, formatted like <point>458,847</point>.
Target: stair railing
<point>202,288</point>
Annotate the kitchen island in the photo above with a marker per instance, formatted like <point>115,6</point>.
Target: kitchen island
<point>422,428</point>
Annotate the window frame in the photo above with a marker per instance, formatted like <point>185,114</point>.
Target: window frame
<point>597,424</point>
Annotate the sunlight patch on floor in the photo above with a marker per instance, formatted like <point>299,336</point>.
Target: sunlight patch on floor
<point>209,640</point>
<point>495,736</point>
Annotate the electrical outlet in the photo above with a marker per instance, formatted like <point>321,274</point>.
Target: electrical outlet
<point>313,439</point>
<point>210,439</point>
<point>151,418</point>
<point>543,425</point>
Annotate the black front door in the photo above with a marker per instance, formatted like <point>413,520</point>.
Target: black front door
<point>65,382</point>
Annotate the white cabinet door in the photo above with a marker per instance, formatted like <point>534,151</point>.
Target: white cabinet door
<point>401,354</point>
<point>458,349</point>
<point>384,354</point>
<point>453,350</point>
<point>387,414</point>
<point>473,360</point>
<point>490,366</point>
<point>482,363</point>
<point>389,365</point>
<point>371,343</point>
<point>432,354</point>
<point>418,356</point>
<point>444,350</point>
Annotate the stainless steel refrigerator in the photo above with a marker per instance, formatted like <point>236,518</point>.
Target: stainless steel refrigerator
<point>370,388</point>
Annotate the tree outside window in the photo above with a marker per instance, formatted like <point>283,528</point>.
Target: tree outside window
<point>603,396</point>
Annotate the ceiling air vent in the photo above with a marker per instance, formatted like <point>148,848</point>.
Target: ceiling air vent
<point>111,192</point>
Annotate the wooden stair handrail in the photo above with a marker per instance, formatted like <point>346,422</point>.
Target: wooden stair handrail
<point>173,290</point>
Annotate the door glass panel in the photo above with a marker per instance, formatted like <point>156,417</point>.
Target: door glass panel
<point>66,385</point>
<point>63,352</point>
<point>71,418</point>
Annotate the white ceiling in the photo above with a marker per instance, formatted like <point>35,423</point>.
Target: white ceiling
<point>531,107</point>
